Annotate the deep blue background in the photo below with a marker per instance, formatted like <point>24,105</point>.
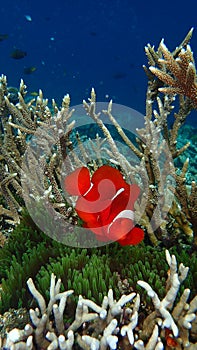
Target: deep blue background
<point>77,44</point>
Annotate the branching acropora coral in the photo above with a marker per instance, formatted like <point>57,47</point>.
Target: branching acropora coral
<point>177,71</point>
<point>114,324</point>
<point>162,189</point>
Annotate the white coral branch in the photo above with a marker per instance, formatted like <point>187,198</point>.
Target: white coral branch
<point>174,281</point>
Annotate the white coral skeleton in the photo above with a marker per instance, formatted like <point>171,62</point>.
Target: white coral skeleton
<point>107,319</point>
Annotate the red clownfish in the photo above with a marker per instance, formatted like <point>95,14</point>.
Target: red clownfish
<point>105,204</point>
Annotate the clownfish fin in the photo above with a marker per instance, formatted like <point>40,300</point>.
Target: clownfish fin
<point>135,236</point>
<point>78,182</point>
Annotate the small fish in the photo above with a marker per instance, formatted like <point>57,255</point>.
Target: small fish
<point>17,54</point>
<point>3,37</point>
<point>29,70</point>
<point>28,18</point>
<point>34,93</point>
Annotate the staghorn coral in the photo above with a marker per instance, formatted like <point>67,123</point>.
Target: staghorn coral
<point>177,70</point>
<point>155,148</point>
<point>114,324</point>
<point>167,215</point>
<point>177,76</point>
<point>19,123</point>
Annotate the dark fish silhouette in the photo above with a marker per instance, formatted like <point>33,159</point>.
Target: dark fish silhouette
<point>29,70</point>
<point>3,37</point>
<point>17,54</point>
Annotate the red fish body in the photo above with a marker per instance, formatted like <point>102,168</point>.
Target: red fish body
<point>105,204</point>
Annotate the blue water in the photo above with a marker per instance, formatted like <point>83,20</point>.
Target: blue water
<point>77,44</point>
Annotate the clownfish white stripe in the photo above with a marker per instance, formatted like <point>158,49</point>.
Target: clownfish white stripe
<point>117,193</point>
<point>91,184</point>
<point>124,214</point>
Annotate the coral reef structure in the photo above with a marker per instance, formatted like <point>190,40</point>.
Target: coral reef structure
<point>114,324</point>
<point>125,301</point>
<point>158,211</point>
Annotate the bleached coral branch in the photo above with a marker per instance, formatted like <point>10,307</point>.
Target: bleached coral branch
<point>82,315</point>
<point>173,283</point>
<point>154,342</point>
<point>39,298</point>
<point>112,321</point>
<point>130,327</point>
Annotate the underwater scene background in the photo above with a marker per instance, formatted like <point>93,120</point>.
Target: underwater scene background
<point>98,204</point>
<point>74,45</point>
